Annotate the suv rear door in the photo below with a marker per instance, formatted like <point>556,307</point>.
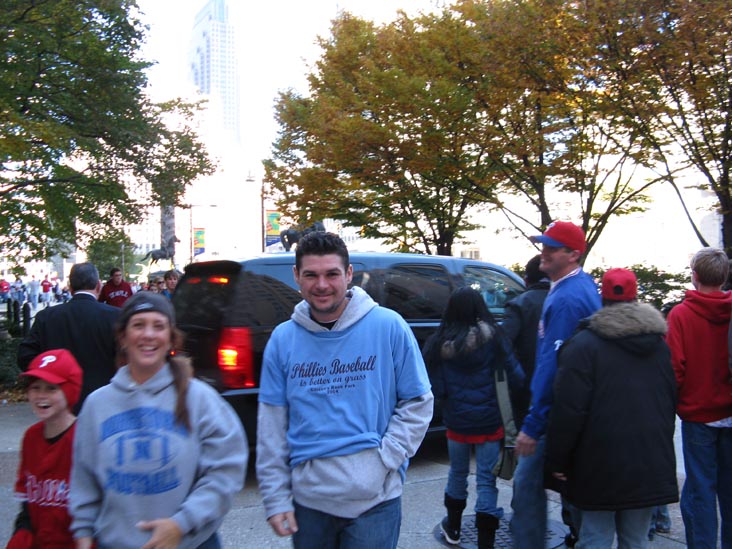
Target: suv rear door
<point>228,315</point>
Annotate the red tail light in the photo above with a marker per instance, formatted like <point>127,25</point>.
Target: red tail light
<point>236,358</point>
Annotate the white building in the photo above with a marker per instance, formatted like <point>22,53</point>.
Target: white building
<point>214,64</point>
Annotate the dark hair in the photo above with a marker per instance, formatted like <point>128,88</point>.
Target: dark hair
<point>465,308</point>
<point>83,276</point>
<point>321,243</point>
<point>114,271</point>
<point>172,273</point>
<point>533,273</point>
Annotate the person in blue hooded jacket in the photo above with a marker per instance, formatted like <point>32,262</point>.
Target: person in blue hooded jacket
<point>573,295</point>
<point>461,357</point>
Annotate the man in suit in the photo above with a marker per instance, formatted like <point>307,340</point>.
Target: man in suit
<point>83,326</point>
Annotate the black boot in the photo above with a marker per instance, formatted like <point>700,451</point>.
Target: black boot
<point>486,525</point>
<point>450,525</point>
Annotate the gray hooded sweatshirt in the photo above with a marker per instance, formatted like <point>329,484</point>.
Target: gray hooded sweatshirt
<point>133,462</point>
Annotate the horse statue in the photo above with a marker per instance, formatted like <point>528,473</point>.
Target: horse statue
<point>167,251</point>
<point>290,237</point>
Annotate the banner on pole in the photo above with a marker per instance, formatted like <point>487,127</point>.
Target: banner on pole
<point>199,241</point>
<point>272,234</point>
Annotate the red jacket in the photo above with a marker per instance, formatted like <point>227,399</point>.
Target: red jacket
<point>697,336</point>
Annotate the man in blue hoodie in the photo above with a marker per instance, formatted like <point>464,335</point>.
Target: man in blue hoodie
<point>344,402</point>
<point>573,296</point>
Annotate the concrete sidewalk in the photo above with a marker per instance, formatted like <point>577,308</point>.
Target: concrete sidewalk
<point>245,525</point>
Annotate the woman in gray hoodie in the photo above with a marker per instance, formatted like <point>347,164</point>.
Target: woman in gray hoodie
<point>158,455</point>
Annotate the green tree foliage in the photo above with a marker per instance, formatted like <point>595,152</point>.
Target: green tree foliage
<point>408,125</point>
<point>665,66</point>
<point>384,139</point>
<point>659,288</point>
<point>82,147</point>
<point>554,105</point>
<point>9,370</point>
<point>556,143</point>
<point>112,249</point>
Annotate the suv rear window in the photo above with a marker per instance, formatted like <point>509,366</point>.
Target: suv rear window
<point>417,291</point>
<point>261,300</point>
<point>202,300</point>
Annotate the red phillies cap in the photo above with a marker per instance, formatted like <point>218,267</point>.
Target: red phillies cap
<point>563,233</point>
<point>619,285</point>
<point>60,368</point>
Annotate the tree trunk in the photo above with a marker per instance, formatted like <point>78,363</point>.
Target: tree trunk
<point>727,229</point>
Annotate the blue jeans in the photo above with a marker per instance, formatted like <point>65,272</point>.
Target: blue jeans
<point>486,457</point>
<point>377,527</point>
<point>599,528</point>
<point>708,464</point>
<point>211,543</point>
<point>660,520</point>
<point>528,524</point>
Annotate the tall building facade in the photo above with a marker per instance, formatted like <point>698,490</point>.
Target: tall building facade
<point>224,220</point>
<point>213,64</point>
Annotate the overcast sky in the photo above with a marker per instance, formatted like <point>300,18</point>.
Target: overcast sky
<point>277,45</point>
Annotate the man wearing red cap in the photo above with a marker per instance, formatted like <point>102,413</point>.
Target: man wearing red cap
<point>573,296</point>
<point>42,485</point>
<point>610,439</point>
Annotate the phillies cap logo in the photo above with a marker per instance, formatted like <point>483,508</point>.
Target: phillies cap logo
<point>46,360</point>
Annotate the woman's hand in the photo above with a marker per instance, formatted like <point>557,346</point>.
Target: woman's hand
<point>284,524</point>
<point>166,533</point>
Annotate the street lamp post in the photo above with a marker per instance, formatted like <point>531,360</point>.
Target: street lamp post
<point>262,220</point>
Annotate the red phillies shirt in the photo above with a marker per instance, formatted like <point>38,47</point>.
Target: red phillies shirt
<point>43,484</point>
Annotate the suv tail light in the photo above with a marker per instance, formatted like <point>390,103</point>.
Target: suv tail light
<point>236,359</point>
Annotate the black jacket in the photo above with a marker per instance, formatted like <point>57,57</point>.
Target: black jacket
<point>611,427</point>
<point>83,326</point>
<point>520,324</point>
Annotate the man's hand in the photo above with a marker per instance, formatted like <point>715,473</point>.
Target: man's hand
<point>166,533</point>
<point>559,476</point>
<point>284,524</point>
<point>84,543</point>
<point>525,445</point>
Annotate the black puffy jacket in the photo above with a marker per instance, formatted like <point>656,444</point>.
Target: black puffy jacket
<point>611,427</point>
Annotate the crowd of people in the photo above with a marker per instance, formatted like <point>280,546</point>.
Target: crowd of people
<point>44,293</point>
<point>131,451</point>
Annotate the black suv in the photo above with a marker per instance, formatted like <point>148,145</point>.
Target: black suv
<point>228,309</point>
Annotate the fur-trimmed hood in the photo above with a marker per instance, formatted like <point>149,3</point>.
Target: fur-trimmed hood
<point>638,325</point>
<point>477,336</point>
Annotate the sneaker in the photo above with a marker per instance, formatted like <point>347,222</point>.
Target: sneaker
<point>452,535</point>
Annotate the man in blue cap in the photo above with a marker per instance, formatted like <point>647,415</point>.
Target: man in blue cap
<point>573,296</point>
